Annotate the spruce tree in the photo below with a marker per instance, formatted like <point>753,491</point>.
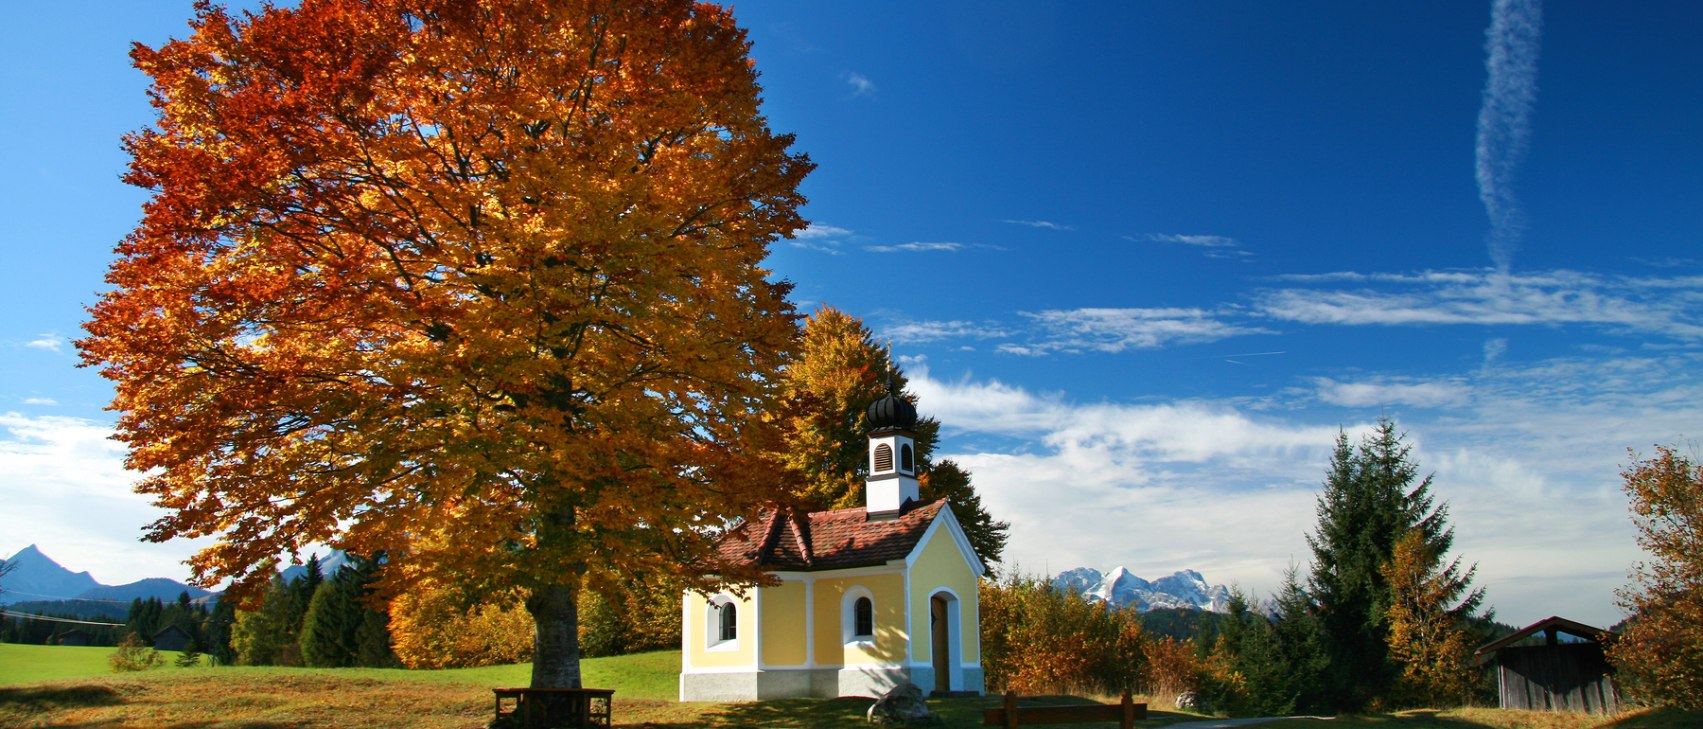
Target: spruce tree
<point>1372,496</point>
<point>333,616</point>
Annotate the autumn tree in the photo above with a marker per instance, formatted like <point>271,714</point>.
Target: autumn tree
<point>1429,638</point>
<point>1373,496</point>
<point>1659,655</point>
<point>478,285</point>
<point>827,388</point>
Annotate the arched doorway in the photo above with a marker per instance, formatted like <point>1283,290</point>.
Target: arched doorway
<point>945,643</point>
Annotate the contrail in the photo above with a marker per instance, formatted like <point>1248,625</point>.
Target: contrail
<point>1504,119</point>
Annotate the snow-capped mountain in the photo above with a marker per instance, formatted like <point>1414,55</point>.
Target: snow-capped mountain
<point>1185,590</point>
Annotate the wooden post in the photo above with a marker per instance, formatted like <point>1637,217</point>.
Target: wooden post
<point>1126,718</point>
<point>1011,710</point>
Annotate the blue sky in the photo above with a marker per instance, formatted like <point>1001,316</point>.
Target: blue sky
<point>1142,260</point>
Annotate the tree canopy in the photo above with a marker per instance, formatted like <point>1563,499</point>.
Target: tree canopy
<point>1660,653</point>
<point>477,285</point>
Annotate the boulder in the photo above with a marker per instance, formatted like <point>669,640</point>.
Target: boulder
<point>1188,701</point>
<point>902,706</point>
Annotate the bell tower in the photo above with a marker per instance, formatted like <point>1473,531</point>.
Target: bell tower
<point>892,455</point>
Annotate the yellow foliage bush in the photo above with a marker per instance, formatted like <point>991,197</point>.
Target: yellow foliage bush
<point>432,629</point>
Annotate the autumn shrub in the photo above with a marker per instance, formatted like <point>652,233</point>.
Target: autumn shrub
<point>134,655</point>
<point>433,628</point>
<point>622,614</point>
<point>1038,639</point>
<point>1172,667</point>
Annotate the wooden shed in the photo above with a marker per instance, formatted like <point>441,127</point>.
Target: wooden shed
<point>171,638</point>
<point>1554,664</point>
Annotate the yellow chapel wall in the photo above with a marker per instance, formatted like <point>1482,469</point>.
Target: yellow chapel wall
<point>784,635</point>
<point>887,591</point>
<point>941,564</point>
<point>694,624</point>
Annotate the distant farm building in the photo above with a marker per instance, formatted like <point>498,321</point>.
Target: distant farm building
<point>172,638</point>
<point>73,636</point>
<point>1554,664</point>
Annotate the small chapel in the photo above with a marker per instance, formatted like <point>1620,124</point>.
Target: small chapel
<point>868,597</point>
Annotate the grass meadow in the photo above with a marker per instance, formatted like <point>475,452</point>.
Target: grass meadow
<point>52,686</point>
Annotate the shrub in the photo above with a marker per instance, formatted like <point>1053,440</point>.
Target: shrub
<point>134,655</point>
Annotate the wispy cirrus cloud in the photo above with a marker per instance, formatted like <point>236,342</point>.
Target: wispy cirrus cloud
<point>1669,306</point>
<point>1201,241</point>
<point>1381,391</point>
<point>1212,246</point>
<point>41,401</point>
<point>48,342</point>
<point>919,332</point>
<point>1118,330</point>
<point>860,84</point>
<point>1041,224</point>
<point>929,247</point>
<point>1511,46</point>
<point>821,237</point>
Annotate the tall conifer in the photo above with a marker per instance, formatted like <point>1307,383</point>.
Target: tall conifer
<point>1370,500</point>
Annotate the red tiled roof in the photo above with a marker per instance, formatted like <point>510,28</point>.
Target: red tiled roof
<point>822,540</point>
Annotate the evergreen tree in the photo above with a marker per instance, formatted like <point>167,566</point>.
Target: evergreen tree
<point>341,627</point>
<point>216,632</point>
<point>1301,645</point>
<point>1370,500</point>
<point>333,616</point>
<point>267,636</point>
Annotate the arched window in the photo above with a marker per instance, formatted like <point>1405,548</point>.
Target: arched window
<point>883,458</point>
<point>906,462</point>
<point>721,623</point>
<point>857,615</point>
<point>863,618</point>
<point>729,618</point>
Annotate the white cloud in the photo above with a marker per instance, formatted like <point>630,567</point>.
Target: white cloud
<point>66,490</point>
<point>918,247</point>
<point>1117,330</point>
<point>1199,241</point>
<point>860,84</point>
<point>916,332</point>
<point>1374,393</point>
<point>1527,457</point>
<point>1042,224</point>
<point>820,237</point>
<point>49,342</point>
<point>1670,306</point>
<point>44,401</point>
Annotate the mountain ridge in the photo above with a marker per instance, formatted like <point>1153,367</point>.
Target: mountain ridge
<point>38,578</point>
<point>1185,589</point>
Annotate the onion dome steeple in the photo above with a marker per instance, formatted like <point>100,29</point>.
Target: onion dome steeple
<point>892,480</point>
<point>891,412</point>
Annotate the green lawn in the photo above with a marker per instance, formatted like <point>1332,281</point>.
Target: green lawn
<point>43,686</point>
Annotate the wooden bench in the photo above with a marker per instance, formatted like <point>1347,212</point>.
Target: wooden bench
<point>553,708</point>
<point>1012,716</point>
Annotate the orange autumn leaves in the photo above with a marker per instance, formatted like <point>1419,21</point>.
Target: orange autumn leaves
<point>475,284</point>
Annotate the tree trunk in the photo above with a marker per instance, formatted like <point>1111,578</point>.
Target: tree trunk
<point>555,641</point>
